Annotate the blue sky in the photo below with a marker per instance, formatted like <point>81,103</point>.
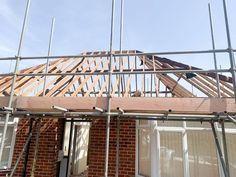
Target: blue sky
<point>84,25</point>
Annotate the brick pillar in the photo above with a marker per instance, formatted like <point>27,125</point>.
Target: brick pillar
<point>50,140</point>
<point>97,148</point>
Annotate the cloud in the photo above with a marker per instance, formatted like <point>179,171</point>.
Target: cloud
<point>5,49</point>
<point>8,15</point>
<point>11,22</point>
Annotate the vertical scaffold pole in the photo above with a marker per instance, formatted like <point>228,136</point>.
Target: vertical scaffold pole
<point>219,150</point>
<point>14,77</point>
<point>120,45</point>
<point>39,122</point>
<point>117,146</point>
<point>44,88</point>
<point>230,49</point>
<point>49,53</point>
<point>27,150</point>
<point>225,147</point>
<point>121,23</point>
<point>232,63</point>
<point>213,47</point>
<point>109,92</point>
<point>118,118</point>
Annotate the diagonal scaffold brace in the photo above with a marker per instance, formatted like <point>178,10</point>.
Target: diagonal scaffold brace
<point>219,151</point>
<point>24,149</point>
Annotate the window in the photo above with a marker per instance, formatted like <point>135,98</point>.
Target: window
<point>144,152</point>
<point>202,154</point>
<point>9,142</point>
<point>231,144</point>
<point>171,155</point>
<point>180,149</point>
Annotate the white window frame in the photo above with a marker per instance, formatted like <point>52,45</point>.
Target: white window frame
<point>13,124</point>
<point>182,130</point>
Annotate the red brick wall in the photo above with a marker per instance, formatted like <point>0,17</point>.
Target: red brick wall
<point>51,134</point>
<point>50,142</point>
<point>3,173</point>
<point>97,149</point>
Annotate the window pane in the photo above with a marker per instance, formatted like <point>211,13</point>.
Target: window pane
<point>143,122</point>
<point>228,125</point>
<point>199,124</point>
<point>144,153</point>
<point>171,155</point>
<point>2,119</point>
<point>231,144</point>
<point>170,124</point>
<point>202,154</point>
<point>80,149</point>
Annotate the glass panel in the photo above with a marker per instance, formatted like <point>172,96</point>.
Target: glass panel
<point>80,149</point>
<point>66,138</point>
<point>143,122</point>
<point>144,153</point>
<point>171,155</point>
<point>228,125</point>
<point>170,124</point>
<point>231,144</point>
<point>202,154</point>
<point>199,124</point>
<point>2,119</point>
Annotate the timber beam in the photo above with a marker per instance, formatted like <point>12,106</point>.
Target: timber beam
<point>204,106</point>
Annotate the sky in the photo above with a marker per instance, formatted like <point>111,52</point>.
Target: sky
<point>84,25</point>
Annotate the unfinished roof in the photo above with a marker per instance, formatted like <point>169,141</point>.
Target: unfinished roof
<point>87,77</point>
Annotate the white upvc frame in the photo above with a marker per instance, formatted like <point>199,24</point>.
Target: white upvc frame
<point>13,141</point>
<point>183,130</point>
<point>138,127</point>
<point>13,124</point>
<point>185,150</point>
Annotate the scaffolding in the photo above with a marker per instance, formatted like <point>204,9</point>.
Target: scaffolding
<point>115,75</point>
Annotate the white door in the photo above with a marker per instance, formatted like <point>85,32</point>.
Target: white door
<point>80,149</point>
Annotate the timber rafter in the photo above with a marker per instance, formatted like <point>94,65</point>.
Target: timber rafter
<point>74,83</point>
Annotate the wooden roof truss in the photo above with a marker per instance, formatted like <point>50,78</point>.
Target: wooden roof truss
<point>87,77</point>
